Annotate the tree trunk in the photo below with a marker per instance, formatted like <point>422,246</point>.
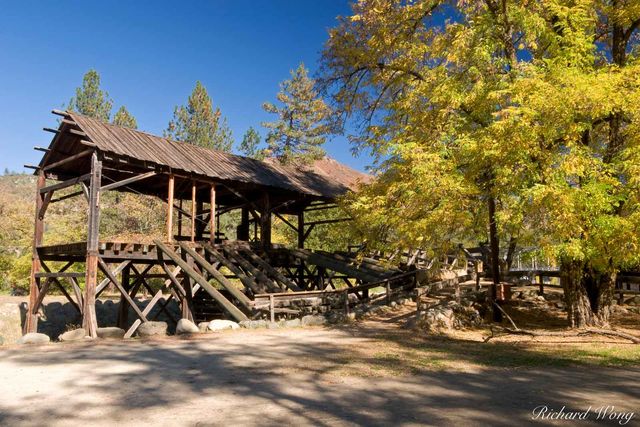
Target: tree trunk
<point>588,294</point>
<point>494,243</point>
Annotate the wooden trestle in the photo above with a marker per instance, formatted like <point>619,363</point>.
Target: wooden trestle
<point>241,280</point>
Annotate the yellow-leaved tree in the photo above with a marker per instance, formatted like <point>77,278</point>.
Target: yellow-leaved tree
<point>512,120</point>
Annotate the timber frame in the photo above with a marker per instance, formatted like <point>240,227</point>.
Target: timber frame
<point>206,274</point>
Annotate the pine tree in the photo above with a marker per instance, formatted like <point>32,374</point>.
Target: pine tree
<point>90,100</point>
<point>302,123</point>
<point>124,119</point>
<point>249,145</point>
<point>199,123</point>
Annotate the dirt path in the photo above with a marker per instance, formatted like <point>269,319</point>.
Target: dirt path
<point>316,376</point>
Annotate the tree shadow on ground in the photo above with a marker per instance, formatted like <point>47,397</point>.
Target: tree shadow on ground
<point>299,377</point>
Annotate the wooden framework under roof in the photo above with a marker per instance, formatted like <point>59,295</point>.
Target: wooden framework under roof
<point>98,157</point>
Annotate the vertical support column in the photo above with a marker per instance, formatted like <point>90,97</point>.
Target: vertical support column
<point>301,229</point>
<point>194,191</point>
<point>180,216</point>
<point>243,229</point>
<point>170,209</point>
<point>212,217</point>
<point>89,320</point>
<point>123,305</point>
<point>265,222</point>
<point>31,321</point>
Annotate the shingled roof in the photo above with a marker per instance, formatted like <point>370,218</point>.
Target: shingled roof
<point>325,178</point>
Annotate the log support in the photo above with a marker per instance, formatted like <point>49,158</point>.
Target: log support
<point>89,320</point>
<point>31,322</point>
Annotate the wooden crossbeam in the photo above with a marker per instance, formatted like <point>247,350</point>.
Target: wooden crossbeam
<point>237,294</point>
<point>262,278</point>
<point>191,273</point>
<point>105,269</point>
<point>286,221</point>
<point>143,314</point>
<point>127,181</point>
<point>59,274</point>
<point>246,280</point>
<point>65,184</point>
<point>270,270</point>
<point>116,271</point>
<point>68,159</point>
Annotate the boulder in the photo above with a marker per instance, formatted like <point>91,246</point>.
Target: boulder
<point>111,332</point>
<point>203,326</point>
<point>312,320</point>
<point>220,325</point>
<point>150,329</point>
<point>253,324</point>
<point>273,325</point>
<point>34,338</point>
<point>293,323</point>
<point>186,326</point>
<point>73,335</point>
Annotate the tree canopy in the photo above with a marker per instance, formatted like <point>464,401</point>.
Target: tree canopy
<point>302,120</point>
<point>199,123</point>
<point>90,100</point>
<point>250,145</point>
<point>125,119</point>
<point>510,119</point>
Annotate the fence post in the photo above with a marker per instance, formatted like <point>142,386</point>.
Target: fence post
<point>272,308</point>
<point>388,293</point>
<point>346,302</point>
<point>418,306</point>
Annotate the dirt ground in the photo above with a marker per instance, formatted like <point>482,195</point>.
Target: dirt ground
<point>370,373</point>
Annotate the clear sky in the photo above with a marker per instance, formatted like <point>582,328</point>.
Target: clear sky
<point>149,55</point>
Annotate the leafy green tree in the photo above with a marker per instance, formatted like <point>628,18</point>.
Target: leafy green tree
<point>302,124</point>
<point>250,143</point>
<point>199,123</point>
<point>125,119</point>
<point>511,119</point>
<point>90,100</point>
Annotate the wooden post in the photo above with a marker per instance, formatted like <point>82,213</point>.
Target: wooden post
<point>89,320</point>
<point>170,209</point>
<point>541,284</point>
<point>243,229</point>
<point>418,306</point>
<point>194,190</point>
<point>346,302</point>
<point>212,219</point>
<point>272,313</point>
<point>123,305</point>
<point>301,230</point>
<point>31,321</point>
<point>388,287</point>
<point>265,223</point>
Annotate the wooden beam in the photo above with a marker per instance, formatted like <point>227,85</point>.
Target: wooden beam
<point>68,159</point>
<point>246,280</point>
<point>31,322</point>
<point>105,269</point>
<point>329,221</point>
<point>215,294</point>
<point>60,113</point>
<point>300,230</point>
<point>212,215</point>
<point>128,181</point>
<point>67,196</point>
<point>67,183</point>
<point>286,221</point>
<point>237,294</point>
<point>194,195</point>
<point>170,208</point>
<point>43,149</point>
<point>89,319</point>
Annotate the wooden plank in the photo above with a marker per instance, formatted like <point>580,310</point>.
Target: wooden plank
<point>194,195</point>
<point>217,296</point>
<point>332,264</point>
<point>237,294</point>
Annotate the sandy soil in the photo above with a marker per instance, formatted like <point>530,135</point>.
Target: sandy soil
<point>311,376</point>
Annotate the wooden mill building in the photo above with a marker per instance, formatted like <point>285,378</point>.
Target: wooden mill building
<point>88,158</point>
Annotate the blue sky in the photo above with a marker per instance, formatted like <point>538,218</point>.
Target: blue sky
<point>149,55</point>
